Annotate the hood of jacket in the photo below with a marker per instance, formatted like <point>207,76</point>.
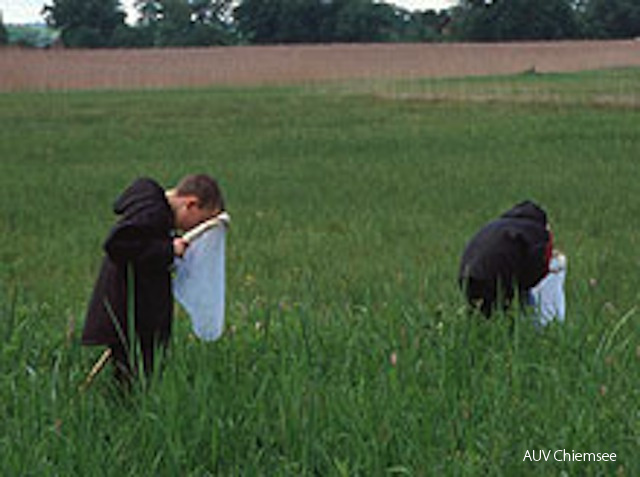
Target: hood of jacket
<point>144,203</point>
<point>527,210</point>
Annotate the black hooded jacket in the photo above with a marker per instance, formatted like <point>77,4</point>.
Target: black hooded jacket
<point>138,246</point>
<point>512,251</point>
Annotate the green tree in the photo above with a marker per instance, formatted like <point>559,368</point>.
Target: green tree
<point>365,21</point>
<point>186,22</point>
<point>146,29</point>
<point>500,20</point>
<point>282,21</point>
<point>85,23</point>
<point>126,36</point>
<point>612,18</point>
<point>427,25</point>
<point>4,34</point>
<point>312,21</point>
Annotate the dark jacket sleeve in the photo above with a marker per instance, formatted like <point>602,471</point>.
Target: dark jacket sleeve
<point>534,264</point>
<point>129,242</point>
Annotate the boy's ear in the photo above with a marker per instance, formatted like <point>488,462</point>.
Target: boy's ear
<point>191,201</point>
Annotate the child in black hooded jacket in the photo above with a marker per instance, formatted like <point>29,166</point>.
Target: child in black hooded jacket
<point>508,255</point>
<point>135,276</point>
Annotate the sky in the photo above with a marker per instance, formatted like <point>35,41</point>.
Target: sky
<point>29,11</point>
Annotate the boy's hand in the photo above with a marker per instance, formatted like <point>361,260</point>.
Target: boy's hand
<point>179,246</point>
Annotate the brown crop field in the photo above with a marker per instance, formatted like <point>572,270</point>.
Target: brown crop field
<point>43,70</point>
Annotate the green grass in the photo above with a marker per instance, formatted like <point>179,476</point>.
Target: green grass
<point>350,208</point>
<point>615,87</point>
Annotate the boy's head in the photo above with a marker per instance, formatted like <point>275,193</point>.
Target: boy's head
<point>195,199</point>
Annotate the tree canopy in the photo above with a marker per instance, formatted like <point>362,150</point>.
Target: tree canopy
<point>4,34</point>
<point>85,23</point>
<point>185,22</point>
<point>613,18</point>
<point>101,23</point>
<point>501,20</point>
<point>313,21</point>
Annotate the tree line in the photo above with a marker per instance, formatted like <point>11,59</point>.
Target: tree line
<point>170,23</point>
<point>4,33</point>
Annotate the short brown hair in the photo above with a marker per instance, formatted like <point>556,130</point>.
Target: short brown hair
<point>205,188</point>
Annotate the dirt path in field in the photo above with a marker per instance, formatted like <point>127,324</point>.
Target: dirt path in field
<point>42,70</point>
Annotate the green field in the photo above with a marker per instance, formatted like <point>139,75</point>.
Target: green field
<point>347,350</point>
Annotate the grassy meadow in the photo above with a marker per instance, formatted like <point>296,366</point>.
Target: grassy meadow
<point>347,349</point>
